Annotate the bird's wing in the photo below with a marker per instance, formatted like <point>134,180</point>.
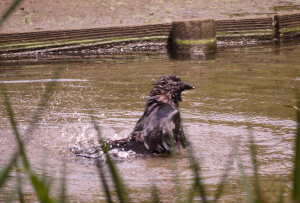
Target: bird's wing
<point>162,122</point>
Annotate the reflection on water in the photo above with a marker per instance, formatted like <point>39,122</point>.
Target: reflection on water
<point>241,91</point>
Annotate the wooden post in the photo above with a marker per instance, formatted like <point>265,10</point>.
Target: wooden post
<point>194,37</point>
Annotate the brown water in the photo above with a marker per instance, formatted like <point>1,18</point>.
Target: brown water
<point>241,87</point>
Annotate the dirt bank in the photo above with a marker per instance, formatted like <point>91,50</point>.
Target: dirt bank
<point>59,14</point>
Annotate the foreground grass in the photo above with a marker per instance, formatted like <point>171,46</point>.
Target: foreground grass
<point>197,187</point>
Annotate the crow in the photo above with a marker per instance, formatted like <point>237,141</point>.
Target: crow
<point>161,122</point>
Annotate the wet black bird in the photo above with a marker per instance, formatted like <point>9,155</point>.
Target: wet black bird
<point>160,120</point>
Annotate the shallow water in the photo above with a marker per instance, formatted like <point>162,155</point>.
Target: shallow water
<point>242,91</point>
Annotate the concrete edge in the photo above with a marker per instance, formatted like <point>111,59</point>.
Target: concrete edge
<point>257,28</point>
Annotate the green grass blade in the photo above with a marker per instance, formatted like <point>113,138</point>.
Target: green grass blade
<point>175,168</point>
<point>49,90</point>
<point>63,188</point>
<point>104,182</point>
<point>44,174</point>
<point>14,124</point>
<point>12,196</point>
<point>5,171</point>
<point>17,192</point>
<point>120,186</point>
<point>9,11</point>
<point>296,192</point>
<point>245,181</point>
<point>19,189</point>
<point>41,190</point>
<point>155,197</point>
<point>255,164</point>
<point>198,185</point>
<point>224,178</point>
<point>280,199</point>
<point>176,178</point>
<point>38,112</point>
<point>191,194</point>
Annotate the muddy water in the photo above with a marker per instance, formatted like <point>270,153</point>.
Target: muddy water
<point>242,88</point>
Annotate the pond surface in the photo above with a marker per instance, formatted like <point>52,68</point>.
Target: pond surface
<point>243,91</point>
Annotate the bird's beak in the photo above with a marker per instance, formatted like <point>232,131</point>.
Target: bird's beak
<point>186,86</point>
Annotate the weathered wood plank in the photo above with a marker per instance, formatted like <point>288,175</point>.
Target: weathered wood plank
<point>288,25</point>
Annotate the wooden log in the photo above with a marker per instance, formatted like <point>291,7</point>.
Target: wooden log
<point>162,29</point>
<point>288,25</point>
<point>252,28</point>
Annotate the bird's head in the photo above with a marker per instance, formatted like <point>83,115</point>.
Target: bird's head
<point>168,89</point>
